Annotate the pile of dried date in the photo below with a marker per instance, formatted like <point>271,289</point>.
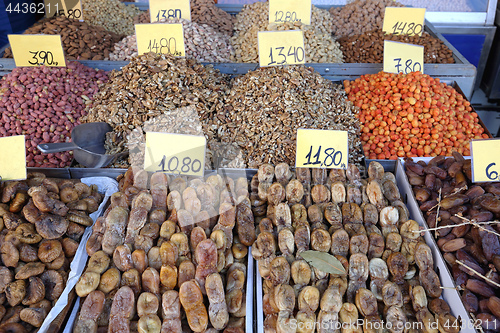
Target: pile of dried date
<point>164,244</point>
<point>378,268</point>
<point>42,222</point>
<point>470,245</point>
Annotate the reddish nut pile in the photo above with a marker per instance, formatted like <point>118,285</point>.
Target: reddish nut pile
<point>412,115</point>
<point>165,244</point>
<point>469,244</point>
<point>369,47</point>
<point>44,104</point>
<point>42,222</point>
<point>80,40</point>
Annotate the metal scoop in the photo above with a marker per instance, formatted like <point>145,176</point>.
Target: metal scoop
<point>87,145</point>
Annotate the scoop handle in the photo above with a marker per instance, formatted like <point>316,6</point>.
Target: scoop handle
<point>56,147</point>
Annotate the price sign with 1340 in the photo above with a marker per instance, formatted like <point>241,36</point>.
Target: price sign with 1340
<point>281,48</point>
<point>168,9</point>
<point>322,149</point>
<point>178,154</point>
<point>163,38</point>
<point>485,160</point>
<point>404,21</point>
<point>281,11</point>
<point>403,58</point>
<point>37,50</point>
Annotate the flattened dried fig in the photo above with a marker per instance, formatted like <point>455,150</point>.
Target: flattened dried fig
<point>51,226</point>
<point>35,291</point>
<point>30,269</point>
<point>15,292</point>
<point>27,234</point>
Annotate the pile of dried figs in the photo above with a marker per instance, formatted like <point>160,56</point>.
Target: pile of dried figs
<point>169,244</point>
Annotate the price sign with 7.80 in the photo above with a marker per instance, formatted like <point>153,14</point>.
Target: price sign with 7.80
<point>322,149</point>
<point>485,160</point>
<point>281,48</point>
<point>404,21</point>
<point>403,58</point>
<point>163,38</point>
<point>178,154</point>
<point>37,50</point>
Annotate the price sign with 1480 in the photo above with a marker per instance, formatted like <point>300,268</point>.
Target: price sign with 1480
<point>161,38</point>
<point>164,46</point>
<point>404,21</point>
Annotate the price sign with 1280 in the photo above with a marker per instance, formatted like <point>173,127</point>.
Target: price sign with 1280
<point>403,57</point>
<point>37,50</point>
<point>163,38</point>
<point>281,48</point>
<point>322,149</point>
<point>485,160</point>
<point>178,154</point>
<point>404,21</point>
<point>168,9</point>
<point>281,11</point>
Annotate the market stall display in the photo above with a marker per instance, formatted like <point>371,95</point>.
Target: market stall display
<point>112,15</point>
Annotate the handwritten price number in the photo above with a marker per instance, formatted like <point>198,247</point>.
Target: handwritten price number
<point>74,14</point>
<point>43,58</point>
<point>493,175</point>
<point>171,13</point>
<point>296,52</point>
<point>399,28</point>
<point>408,66</point>
<point>288,17</point>
<point>332,158</point>
<point>173,164</point>
<point>471,324</point>
<point>168,43</point>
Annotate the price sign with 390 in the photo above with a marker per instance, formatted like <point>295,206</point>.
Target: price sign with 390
<point>167,9</point>
<point>178,154</point>
<point>485,160</point>
<point>163,38</point>
<point>37,50</point>
<point>281,48</point>
<point>322,149</point>
<point>403,58</point>
<point>404,21</point>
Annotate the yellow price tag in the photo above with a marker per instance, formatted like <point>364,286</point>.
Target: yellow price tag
<point>281,11</point>
<point>403,58</point>
<point>37,50</point>
<point>322,149</point>
<point>281,48</point>
<point>404,21</point>
<point>13,167</point>
<point>179,154</point>
<point>165,38</point>
<point>485,160</point>
<point>165,9</point>
<point>70,8</point>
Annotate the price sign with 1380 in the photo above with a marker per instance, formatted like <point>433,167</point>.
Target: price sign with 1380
<point>403,58</point>
<point>163,38</point>
<point>281,11</point>
<point>322,149</point>
<point>175,153</point>
<point>485,160</point>
<point>281,48</point>
<point>168,9</point>
<point>37,50</point>
<point>404,21</point>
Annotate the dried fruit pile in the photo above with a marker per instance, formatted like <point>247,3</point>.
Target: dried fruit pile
<point>412,115</point>
<point>138,255</point>
<point>265,107</point>
<point>44,104</point>
<point>43,220</point>
<point>377,265</point>
<point>470,246</point>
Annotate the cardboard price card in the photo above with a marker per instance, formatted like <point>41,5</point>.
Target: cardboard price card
<point>13,167</point>
<point>178,154</point>
<point>403,58</point>
<point>164,38</point>
<point>485,160</point>
<point>166,9</point>
<point>37,50</point>
<point>404,21</point>
<point>322,149</point>
<point>69,8</point>
<point>281,11</point>
<point>281,48</point>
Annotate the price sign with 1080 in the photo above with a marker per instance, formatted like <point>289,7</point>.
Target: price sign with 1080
<point>37,50</point>
<point>485,160</point>
<point>281,48</point>
<point>403,58</point>
<point>322,149</point>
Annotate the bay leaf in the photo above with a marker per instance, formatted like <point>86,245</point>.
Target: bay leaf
<point>324,262</point>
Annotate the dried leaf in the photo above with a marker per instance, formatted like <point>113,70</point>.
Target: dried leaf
<point>324,262</point>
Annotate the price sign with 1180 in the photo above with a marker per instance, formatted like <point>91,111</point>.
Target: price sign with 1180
<point>485,160</point>
<point>169,9</point>
<point>281,48</point>
<point>322,149</point>
<point>404,21</point>
<point>403,58</point>
<point>163,38</point>
<point>281,11</point>
<point>37,50</point>
<point>178,154</point>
